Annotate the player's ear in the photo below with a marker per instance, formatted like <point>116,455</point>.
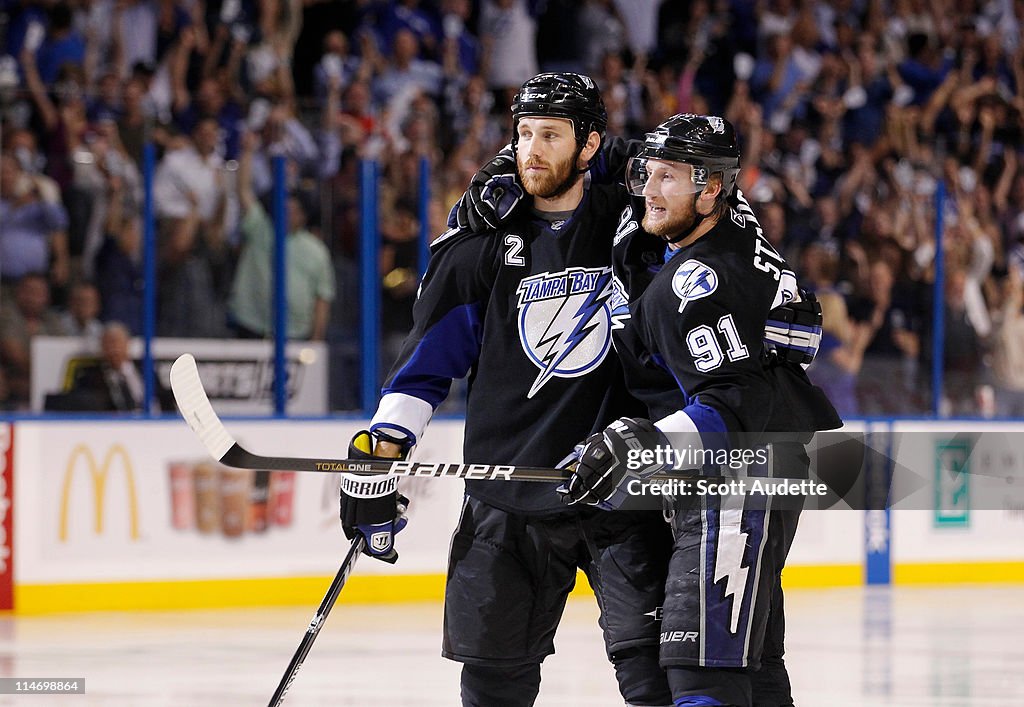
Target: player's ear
<point>709,196</point>
<point>590,148</point>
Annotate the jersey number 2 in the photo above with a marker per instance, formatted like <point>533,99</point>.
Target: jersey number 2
<point>707,352</point>
<point>515,247</point>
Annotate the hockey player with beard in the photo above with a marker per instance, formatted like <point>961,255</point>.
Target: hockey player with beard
<point>711,340</point>
<point>524,312</point>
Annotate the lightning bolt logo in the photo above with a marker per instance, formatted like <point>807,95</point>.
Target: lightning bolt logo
<point>560,340</point>
<point>697,284</point>
<point>558,314</point>
<point>732,543</point>
<point>693,280</point>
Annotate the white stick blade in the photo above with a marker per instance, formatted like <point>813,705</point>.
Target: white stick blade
<point>195,406</point>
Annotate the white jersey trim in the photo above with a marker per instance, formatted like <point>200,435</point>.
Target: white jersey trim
<point>677,422</point>
<point>682,432</point>
<point>404,413</point>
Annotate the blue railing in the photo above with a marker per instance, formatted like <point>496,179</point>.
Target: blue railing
<point>369,310</point>
<point>149,283</point>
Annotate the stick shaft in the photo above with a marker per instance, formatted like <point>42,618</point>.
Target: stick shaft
<point>195,407</point>
<point>239,457</point>
<point>318,621</point>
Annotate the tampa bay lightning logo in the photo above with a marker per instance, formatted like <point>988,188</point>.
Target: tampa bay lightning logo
<point>693,280</point>
<point>565,322</point>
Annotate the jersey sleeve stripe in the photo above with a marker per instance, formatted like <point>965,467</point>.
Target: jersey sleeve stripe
<point>781,326</point>
<point>395,409</point>
<point>447,351</point>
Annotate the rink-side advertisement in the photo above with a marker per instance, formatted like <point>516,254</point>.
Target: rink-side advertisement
<point>141,501</point>
<point>958,492</point>
<point>138,501</point>
<point>238,375</point>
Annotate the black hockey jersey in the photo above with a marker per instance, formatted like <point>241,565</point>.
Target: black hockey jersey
<point>526,313</point>
<point>690,327</point>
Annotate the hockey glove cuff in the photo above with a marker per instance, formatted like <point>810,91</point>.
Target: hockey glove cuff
<point>609,461</point>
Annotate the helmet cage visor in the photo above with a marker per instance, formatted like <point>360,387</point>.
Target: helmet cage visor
<point>666,178</point>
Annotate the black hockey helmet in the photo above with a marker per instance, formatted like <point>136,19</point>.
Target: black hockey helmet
<point>562,95</point>
<point>706,142</point>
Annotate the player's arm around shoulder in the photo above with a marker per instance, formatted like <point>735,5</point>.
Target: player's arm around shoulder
<point>609,165</point>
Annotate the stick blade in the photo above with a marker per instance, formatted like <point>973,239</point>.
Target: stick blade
<point>195,407</point>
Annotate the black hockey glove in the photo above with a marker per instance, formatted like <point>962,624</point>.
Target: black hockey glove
<point>793,331</point>
<point>492,196</point>
<point>609,461</point>
<point>371,505</point>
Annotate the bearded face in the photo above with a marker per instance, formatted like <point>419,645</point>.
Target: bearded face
<point>545,156</point>
<point>668,218</point>
<point>670,196</point>
<point>545,179</point>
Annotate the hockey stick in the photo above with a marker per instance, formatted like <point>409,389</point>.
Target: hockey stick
<point>195,407</point>
<point>318,621</point>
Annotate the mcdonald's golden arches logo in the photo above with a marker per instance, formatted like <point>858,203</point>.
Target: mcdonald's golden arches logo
<point>99,473</point>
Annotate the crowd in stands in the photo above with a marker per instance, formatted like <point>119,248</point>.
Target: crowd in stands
<point>854,115</point>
